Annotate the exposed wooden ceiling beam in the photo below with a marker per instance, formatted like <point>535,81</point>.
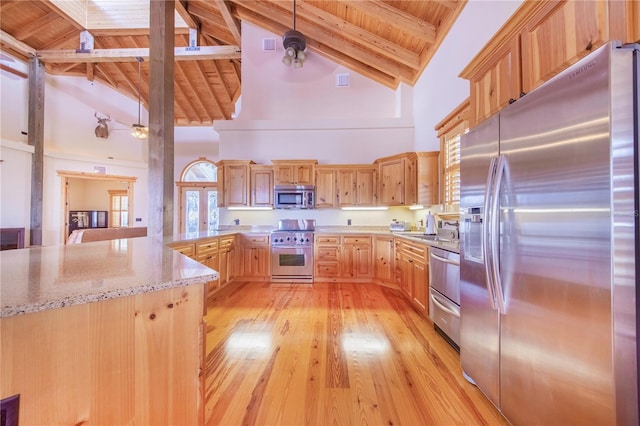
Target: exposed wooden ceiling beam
<point>99,72</point>
<point>232,23</point>
<point>34,26</point>
<point>450,4</point>
<point>53,6</point>
<point>15,44</point>
<point>90,71</point>
<point>73,34</point>
<point>271,19</point>
<point>130,55</point>
<point>359,36</point>
<point>119,32</point>
<point>13,71</point>
<point>5,5</point>
<point>189,99</point>
<point>396,18</point>
<point>191,22</point>
<point>212,93</point>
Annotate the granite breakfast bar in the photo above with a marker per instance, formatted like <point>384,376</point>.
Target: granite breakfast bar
<point>108,332</point>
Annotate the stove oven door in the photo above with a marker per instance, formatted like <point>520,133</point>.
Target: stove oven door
<point>292,264</point>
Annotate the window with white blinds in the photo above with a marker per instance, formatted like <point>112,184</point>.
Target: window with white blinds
<point>450,130</point>
<point>451,165</point>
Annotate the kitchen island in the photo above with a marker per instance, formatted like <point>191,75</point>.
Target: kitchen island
<point>107,332</point>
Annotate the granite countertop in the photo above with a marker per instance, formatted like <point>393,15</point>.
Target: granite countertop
<point>50,277</point>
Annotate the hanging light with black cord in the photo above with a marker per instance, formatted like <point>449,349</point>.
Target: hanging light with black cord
<point>139,131</point>
<point>294,44</point>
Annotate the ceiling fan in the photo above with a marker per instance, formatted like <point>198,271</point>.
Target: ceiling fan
<point>137,130</point>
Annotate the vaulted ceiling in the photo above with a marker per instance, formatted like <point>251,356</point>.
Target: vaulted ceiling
<point>388,41</point>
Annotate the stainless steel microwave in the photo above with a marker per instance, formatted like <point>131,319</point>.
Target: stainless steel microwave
<point>295,196</point>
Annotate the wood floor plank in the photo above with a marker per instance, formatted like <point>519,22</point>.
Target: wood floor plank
<point>332,353</point>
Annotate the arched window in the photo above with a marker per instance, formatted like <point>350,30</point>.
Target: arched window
<point>201,170</point>
<point>198,189</point>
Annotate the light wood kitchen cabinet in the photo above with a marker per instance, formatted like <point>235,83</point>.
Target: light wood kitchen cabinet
<point>207,253</point>
<point>188,249</point>
<point>227,259</point>
<point>326,257</point>
<point>414,273</point>
<point>397,179</point>
<point>383,258</point>
<point>261,183</point>
<point>326,192</point>
<point>294,172</point>
<point>540,40</point>
<point>340,258</point>
<point>427,183</point>
<point>134,360</point>
<point>497,83</point>
<point>559,35</point>
<point>356,257</point>
<point>256,256</point>
<point>235,183</point>
<point>357,185</point>
<point>346,185</point>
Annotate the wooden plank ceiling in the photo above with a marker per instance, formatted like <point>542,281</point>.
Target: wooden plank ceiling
<point>387,41</point>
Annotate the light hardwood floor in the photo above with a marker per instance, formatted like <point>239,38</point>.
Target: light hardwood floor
<point>339,354</point>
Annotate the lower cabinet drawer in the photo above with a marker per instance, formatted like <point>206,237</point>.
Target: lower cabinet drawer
<point>445,314</point>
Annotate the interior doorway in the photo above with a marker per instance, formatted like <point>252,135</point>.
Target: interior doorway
<point>90,192</point>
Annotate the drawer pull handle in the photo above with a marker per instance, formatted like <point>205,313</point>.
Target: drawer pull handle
<point>443,259</point>
<point>444,308</point>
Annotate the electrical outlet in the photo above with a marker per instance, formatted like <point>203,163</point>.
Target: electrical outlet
<point>348,221</point>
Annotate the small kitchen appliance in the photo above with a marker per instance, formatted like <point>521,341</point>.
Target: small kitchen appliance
<point>399,226</point>
<point>294,196</point>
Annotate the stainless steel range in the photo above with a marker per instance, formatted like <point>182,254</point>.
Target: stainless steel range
<point>292,251</point>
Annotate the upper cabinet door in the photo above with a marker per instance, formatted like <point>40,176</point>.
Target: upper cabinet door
<point>294,172</point>
<point>558,36</point>
<point>497,83</point>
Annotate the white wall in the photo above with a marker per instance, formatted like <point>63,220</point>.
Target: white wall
<point>273,91</point>
<point>15,184</point>
<point>90,194</point>
<point>290,113</point>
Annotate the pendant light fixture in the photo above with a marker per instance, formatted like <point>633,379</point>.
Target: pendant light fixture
<point>139,131</point>
<point>294,44</point>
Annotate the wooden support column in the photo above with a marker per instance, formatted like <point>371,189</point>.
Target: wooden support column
<point>161,82</point>
<point>35,138</point>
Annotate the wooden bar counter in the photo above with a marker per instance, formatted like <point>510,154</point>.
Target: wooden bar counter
<point>107,332</point>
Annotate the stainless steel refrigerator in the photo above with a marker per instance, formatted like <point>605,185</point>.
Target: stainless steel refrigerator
<point>549,256</point>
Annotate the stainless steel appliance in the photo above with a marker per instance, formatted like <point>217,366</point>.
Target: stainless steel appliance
<point>399,226</point>
<point>292,251</point>
<point>294,196</point>
<point>550,236</point>
<point>444,293</point>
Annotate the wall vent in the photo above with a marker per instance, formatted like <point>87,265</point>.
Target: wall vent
<point>269,44</point>
<point>343,80</point>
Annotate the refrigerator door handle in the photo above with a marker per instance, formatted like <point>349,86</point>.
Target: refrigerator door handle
<point>488,191</point>
<point>494,229</point>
